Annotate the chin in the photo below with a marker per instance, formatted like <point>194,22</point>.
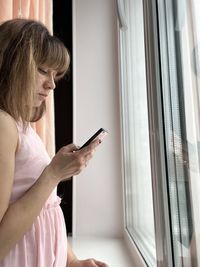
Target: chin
<point>38,104</point>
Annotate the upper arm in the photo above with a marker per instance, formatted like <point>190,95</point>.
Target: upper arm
<point>8,145</point>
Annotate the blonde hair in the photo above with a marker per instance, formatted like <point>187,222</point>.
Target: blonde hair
<point>26,45</point>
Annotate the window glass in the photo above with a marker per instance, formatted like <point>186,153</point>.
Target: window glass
<point>137,167</point>
<point>179,23</point>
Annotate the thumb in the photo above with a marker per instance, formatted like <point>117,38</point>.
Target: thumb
<point>70,148</point>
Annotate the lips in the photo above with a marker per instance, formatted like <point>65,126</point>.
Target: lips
<point>44,95</point>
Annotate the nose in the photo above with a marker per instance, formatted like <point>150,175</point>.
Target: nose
<point>50,83</point>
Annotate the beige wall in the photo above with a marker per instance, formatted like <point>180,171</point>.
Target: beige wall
<point>98,207</point>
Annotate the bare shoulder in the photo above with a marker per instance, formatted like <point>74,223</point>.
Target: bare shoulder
<point>8,130</point>
<point>8,146</point>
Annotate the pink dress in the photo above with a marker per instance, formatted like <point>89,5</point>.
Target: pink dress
<point>45,244</point>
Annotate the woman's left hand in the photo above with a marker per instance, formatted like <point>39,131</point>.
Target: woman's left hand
<point>87,263</point>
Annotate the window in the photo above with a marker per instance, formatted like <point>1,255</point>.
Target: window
<point>139,209</point>
<point>160,104</point>
<point>179,29</point>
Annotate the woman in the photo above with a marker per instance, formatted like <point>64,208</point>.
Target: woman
<point>32,228</point>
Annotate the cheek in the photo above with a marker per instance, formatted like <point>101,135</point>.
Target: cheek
<point>39,83</point>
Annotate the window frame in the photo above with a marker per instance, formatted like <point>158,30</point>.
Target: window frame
<point>156,138</point>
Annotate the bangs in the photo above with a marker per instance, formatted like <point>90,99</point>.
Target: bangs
<point>54,55</point>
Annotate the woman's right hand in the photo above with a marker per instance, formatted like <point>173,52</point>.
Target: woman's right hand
<point>70,161</point>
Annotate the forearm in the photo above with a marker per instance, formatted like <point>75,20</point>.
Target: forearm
<point>70,256</point>
<point>20,215</point>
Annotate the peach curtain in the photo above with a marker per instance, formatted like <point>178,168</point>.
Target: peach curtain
<point>40,10</point>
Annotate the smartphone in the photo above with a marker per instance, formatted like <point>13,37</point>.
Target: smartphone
<point>101,133</point>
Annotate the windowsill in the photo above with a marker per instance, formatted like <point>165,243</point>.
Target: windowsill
<point>113,251</point>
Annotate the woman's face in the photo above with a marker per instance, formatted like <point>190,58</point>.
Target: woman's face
<point>45,84</point>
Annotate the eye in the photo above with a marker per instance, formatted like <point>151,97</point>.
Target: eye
<point>42,71</point>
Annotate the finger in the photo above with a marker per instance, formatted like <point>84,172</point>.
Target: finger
<point>91,263</point>
<point>70,148</point>
<point>88,263</point>
<point>91,147</point>
<point>95,142</point>
<point>89,155</point>
<point>100,263</point>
